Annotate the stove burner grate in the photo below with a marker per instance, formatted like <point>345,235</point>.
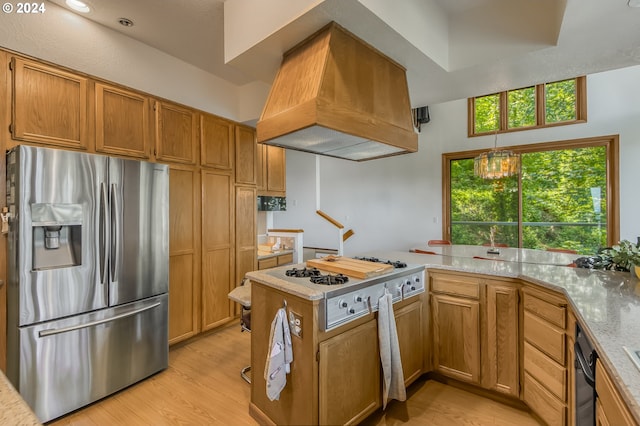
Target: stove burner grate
<point>330,279</point>
<point>302,273</point>
<point>394,263</point>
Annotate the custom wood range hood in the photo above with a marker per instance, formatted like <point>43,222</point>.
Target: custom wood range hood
<point>335,95</point>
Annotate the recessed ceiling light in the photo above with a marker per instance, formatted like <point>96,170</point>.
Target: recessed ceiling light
<point>634,3</point>
<point>126,22</point>
<point>78,6</point>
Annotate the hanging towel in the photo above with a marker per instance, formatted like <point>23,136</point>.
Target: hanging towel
<point>280,355</point>
<point>393,383</point>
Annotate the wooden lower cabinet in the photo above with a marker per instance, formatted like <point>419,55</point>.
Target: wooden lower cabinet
<point>336,375</point>
<point>610,408</point>
<point>349,375</point>
<point>218,274</point>
<point>411,328</point>
<point>184,253</point>
<point>456,337</point>
<point>545,354</point>
<point>501,370</point>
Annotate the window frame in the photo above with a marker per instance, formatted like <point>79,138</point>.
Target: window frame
<point>611,144</point>
<point>540,100</point>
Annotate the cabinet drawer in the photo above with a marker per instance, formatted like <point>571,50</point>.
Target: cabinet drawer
<point>553,313</point>
<point>609,399</point>
<point>544,336</point>
<point>283,259</point>
<point>546,371</point>
<point>270,262</point>
<point>457,285</point>
<point>543,403</point>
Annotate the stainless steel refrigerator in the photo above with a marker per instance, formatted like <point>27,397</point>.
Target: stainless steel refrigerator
<point>88,272</point>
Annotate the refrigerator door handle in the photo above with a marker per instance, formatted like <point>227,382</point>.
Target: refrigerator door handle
<point>54,331</point>
<point>115,233</point>
<point>103,233</point>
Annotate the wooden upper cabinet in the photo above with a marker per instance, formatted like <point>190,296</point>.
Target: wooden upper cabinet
<point>272,175</point>
<point>276,169</point>
<point>176,133</point>
<point>216,142</point>
<point>122,122</point>
<point>49,105</point>
<point>246,155</point>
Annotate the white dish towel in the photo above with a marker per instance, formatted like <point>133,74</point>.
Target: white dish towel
<point>393,383</point>
<point>280,355</point>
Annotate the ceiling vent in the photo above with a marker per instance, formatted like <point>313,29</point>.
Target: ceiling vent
<point>336,95</point>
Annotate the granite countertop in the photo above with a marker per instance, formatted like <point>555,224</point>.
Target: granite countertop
<point>14,410</point>
<point>606,303</point>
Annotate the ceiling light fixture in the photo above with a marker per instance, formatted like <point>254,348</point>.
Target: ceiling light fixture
<point>78,6</point>
<point>634,3</point>
<point>496,164</point>
<point>125,22</point>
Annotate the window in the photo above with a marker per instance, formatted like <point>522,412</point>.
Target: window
<point>542,105</point>
<point>564,197</point>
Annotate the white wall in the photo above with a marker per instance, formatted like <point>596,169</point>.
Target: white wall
<point>396,203</point>
<point>70,40</point>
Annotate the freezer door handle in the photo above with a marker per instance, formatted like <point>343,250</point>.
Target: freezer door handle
<point>103,233</point>
<point>115,232</point>
<point>54,331</point>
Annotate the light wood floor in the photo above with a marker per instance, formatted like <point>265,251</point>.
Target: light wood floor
<point>202,386</point>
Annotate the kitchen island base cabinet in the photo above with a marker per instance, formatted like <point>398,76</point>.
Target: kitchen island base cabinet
<point>335,375</point>
<point>411,328</point>
<point>350,375</point>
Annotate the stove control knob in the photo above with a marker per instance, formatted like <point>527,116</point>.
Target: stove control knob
<point>351,311</point>
<point>342,303</point>
<point>409,285</point>
<point>357,298</point>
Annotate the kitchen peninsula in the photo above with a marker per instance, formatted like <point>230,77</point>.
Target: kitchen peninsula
<point>548,293</point>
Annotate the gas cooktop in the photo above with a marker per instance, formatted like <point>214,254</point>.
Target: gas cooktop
<point>348,298</point>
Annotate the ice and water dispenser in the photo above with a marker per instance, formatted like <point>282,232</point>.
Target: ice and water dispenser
<point>57,235</point>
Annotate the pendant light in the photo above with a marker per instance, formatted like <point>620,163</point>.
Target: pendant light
<point>496,164</point>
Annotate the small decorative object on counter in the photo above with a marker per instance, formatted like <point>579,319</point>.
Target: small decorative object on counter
<point>492,237</point>
<point>623,256</point>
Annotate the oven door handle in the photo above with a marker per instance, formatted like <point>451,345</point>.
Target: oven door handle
<point>584,366</point>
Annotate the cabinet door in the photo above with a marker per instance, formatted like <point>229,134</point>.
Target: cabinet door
<point>350,376</point>
<point>176,133</point>
<point>276,169</point>
<point>217,248</point>
<point>271,173</point>
<point>261,165</point>
<point>246,234</point>
<point>456,337</point>
<point>409,324</point>
<point>49,105</point>
<point>122,122</point>
<point>216,142</point>
<point>501,353</point>
<point>246,155</point>
<point>184,193</point>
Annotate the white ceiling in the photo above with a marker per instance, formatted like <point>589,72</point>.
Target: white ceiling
<point>452,49</point>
